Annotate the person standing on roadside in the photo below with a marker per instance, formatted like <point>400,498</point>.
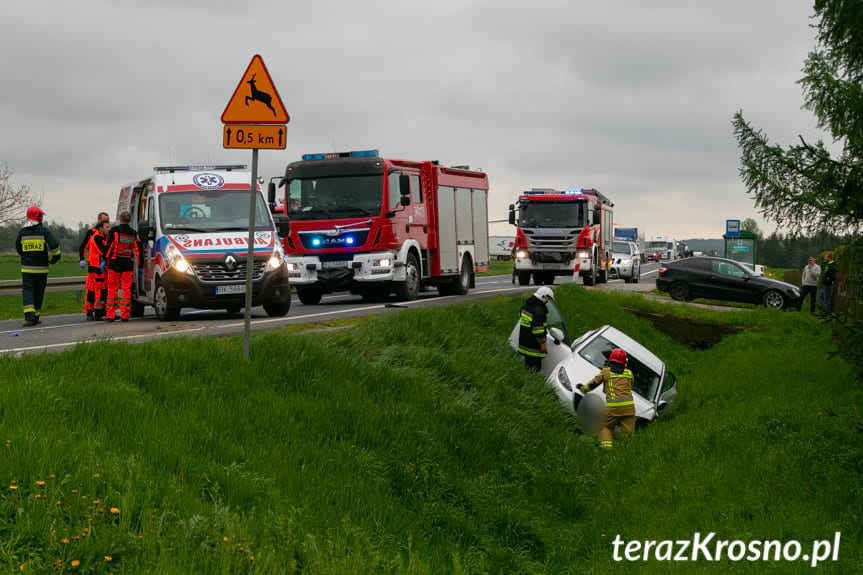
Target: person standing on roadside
<point>532,328</point>
<point>83,259</point>
<point>121,253</point>
<point>97,273</point>
<point>809,284</point>
<point>38,248</point>
<point>828,282</point>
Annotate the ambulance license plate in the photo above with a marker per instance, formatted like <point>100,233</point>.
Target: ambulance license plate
<point>232,288</point>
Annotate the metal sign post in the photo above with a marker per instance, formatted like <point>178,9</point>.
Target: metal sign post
<point>250,258</point>
<point>254,118</point>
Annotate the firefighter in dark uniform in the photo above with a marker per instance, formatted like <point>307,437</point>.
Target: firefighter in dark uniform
<point>97,273</point>
<point>121,252</point>
<point>89,294</point>
<point>616,380</point>
<point>532,328</point>
<point>38,248</point>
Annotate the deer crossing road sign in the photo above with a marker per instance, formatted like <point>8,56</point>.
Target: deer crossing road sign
<point>255,100</point>
<point>254,136</point>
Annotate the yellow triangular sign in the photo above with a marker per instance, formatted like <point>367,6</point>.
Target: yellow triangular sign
<point>256,100</point>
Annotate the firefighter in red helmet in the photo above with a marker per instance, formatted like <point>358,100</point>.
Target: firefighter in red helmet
<point>38,248</point>
<point>616,380</point>
<point>121,253</point>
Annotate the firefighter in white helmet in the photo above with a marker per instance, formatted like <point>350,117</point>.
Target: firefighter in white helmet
<point>532,330</point>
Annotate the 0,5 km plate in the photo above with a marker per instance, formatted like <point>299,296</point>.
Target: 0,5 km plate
<point>232,288</point>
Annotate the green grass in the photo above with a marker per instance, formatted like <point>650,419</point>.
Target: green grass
<point>416,443</point>
<point>497,267</point>
<point>10,267</point>
<point>55,302</point>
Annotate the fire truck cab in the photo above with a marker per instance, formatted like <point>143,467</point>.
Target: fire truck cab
<point>376,226</point>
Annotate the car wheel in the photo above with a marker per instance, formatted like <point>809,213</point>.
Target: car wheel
<point>165,311</point>
<point>309,296</point>
<point>774,300</point>
<point>409,289</point>
<point>679,291</point>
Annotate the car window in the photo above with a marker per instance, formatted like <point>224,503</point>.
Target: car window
<point>555,319</point>
<point>645,379</point>
<point>727,268</point>
<point>621,248</point>
<point>668,382</point>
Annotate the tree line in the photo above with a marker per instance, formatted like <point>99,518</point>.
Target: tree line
<point>70,238</point>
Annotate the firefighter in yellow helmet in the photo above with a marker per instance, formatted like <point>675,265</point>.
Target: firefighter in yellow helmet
<point>616,380</point>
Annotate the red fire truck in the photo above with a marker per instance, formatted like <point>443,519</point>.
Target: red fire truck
<point>561,231</point>
<point>374,226</point>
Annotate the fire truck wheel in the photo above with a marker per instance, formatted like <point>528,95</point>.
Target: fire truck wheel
<point>409,289</point>
<point>523,278</point>
<point>309,296</point>
<point>590,279</point>
<point>162,304</point>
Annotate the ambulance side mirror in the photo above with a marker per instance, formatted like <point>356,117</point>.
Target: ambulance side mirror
<point>145,231</point>
<point>283,224</point>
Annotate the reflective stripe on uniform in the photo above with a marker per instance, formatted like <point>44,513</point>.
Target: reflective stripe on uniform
<point>34,270</point>
<point>29,309</point>
<point>620,401</point>
<point>530,352</point>
<point>606,444</point>
<point>525,319</point>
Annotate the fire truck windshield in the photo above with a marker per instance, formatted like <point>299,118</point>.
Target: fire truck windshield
<point>210,211</point>
<point>335,197</point>
<point>553,214</point>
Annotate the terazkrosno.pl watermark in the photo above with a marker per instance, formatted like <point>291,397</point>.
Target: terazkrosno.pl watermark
<point>708,548</point>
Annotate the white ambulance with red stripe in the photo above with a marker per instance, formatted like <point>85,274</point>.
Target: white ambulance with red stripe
<point>193,222</point>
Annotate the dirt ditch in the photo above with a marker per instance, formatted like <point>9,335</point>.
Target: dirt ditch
<point>694,334</point>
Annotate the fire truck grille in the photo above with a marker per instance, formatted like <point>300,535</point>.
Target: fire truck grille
<point>564,241</point>
<point>219,272</point>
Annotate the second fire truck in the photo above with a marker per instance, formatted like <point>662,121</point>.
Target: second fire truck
<point>561,233</point>
<point>376,226</point>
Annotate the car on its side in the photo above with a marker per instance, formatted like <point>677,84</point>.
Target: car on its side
<point>570,363</point>
<point>625,261</point>
<point>725,280</point>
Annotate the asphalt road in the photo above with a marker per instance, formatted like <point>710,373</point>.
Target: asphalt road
<point>59,332</point>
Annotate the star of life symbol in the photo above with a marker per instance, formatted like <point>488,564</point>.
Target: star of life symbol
<point>208,181</point>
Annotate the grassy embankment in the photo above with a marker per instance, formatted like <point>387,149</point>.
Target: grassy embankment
<point>417,443</point>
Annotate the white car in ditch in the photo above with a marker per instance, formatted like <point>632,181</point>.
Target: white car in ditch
<point>570,363</point>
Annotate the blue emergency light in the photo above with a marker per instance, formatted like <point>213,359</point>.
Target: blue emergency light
<point>349,240</point>
<point>316,242</point>
<point>335,155</point>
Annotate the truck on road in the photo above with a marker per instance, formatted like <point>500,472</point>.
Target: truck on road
<point>376,226</point>
<point>635,235</point>
<point>657,248</point>
<point>561,231</point>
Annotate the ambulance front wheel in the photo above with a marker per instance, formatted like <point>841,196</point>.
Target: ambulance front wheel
<point>165,310</point>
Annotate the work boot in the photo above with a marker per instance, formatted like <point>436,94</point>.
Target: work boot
<point>124,319</point>
<point>29,323</point>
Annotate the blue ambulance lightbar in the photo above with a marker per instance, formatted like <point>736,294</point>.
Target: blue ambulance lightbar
<point>334,155</point>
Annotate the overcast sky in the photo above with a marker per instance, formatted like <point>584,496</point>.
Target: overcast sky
<point>632,97</point>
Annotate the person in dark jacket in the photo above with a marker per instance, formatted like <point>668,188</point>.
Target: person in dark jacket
<point>828,283</point>
<point>121,253</point>
<point>100,219</point>
<point>38,248</point>
<point>532,328</point>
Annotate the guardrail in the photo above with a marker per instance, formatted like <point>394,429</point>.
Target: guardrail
<point>13,287</point>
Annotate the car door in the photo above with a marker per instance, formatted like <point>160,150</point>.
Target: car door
<point>729,281</point>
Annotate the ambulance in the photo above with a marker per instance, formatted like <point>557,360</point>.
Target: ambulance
<point>193,223</point>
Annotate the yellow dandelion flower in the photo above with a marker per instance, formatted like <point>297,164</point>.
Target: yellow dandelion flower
<point>226,539</point>
<point>64,540</point>
<point>97,501</point>
<point>115,510</point>
<point>74,562</point>
<point>73,491</point>
<point>251,557</point>
<point>108,558</point>
<point>13,486</point>
<point>40,482</point>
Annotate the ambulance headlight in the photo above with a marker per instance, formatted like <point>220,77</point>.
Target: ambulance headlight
<point>177,261</point>
<point>276,259</point>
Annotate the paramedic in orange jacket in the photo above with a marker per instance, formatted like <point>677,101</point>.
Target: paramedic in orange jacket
<point>122,252</point>
<point>97,273</point>
<point>616,380</point>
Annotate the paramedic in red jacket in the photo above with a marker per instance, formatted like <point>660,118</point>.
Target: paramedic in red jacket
<point>122,251</point>
<point>94,305</point>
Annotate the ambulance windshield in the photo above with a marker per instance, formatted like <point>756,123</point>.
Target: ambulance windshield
<point>552,214</point>
<point>210,211</point>
<point>335,197</point>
